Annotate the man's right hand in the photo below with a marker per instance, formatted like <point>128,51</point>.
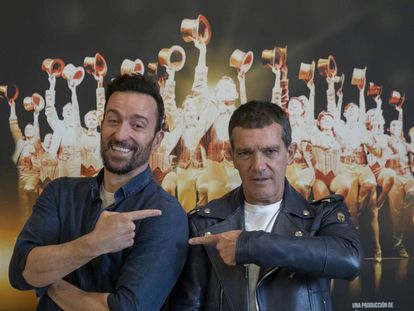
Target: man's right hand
<point>115,231</point>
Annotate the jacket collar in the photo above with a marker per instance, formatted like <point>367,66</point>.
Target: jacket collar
<point>233,203</point>
<point>296,209</point>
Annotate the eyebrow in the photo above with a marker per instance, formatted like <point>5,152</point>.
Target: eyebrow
<point>137,117</point>
<point>277,147</point>
<point>243,149</point>
<point>113,111</point>
<point>261,149</point>
<point>133,117</point>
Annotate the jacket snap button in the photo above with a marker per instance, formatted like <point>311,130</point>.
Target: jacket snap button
<point>305,212</point>
<point>207,233</point>
<point>207,211</point>
<point>298,233</point>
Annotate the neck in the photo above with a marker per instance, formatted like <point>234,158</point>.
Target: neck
<point>264,201</point>
<point>112,182</point>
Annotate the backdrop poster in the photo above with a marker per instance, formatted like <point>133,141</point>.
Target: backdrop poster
<point>313,58</point>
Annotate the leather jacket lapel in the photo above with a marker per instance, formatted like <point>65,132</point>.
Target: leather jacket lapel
<point>293,212</point>
<point>232,278</point>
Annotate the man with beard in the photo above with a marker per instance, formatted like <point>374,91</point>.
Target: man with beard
<point>94,243</point>
<point>262,246</point>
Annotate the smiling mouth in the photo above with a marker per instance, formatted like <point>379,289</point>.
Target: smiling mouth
<point>120,149</point>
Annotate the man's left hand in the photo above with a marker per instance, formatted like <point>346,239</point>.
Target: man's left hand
<point>225,244</point>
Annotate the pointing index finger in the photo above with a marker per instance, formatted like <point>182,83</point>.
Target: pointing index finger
<point>203,240</point>
<point>144,213</point>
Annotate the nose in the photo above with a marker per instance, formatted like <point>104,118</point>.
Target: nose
<point>258,162</point>
<point>123,131</point>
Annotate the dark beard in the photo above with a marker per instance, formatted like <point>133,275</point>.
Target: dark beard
<point>140,155</point>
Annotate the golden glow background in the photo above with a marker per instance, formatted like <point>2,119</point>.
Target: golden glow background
<point>377,34</point>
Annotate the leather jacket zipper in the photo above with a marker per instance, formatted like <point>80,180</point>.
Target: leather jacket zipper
<point>266,275</point>
<point>260,281</point>
<point>246,277</point>
<point>221,300</point>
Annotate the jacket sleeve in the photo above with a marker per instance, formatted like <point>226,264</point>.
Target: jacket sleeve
<point>333,250</point>
<point>190,291</point>
<point>153,265</point>
<point>42,228</point>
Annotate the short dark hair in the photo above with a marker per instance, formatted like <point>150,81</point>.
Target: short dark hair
<point>140,84</point>
<point>259,114</point>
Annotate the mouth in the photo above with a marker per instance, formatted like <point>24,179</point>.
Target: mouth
<point>120,149</point>
<point>260,180</point>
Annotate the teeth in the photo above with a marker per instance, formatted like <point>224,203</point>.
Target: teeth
<point>120,149</point>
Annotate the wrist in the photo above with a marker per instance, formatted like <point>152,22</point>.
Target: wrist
<point>54,287</point>
<point>91,246</point>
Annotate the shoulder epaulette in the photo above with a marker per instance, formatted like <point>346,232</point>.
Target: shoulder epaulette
<point>194,211</point>
<point>329,199</point>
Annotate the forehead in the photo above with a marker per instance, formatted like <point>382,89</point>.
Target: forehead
<point>326,117</point>
<point>270,135</point>
<point>294,102</point>
<point>351,107</point>
<point>132,103</point>
<point>90,115</point>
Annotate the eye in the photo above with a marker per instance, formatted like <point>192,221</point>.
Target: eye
<point>270,152</point>
<point>113,121</point>
<point>244,154</point>
<point>137,126</point>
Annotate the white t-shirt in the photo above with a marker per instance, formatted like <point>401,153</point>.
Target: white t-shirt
<point>107,198</point>
<point>258,217</point>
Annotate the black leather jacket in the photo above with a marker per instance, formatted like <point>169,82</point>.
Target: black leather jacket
<point>309,244</point>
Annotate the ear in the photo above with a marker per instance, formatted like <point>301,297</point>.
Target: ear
<point>157,140</point>
<point>291,150</point>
